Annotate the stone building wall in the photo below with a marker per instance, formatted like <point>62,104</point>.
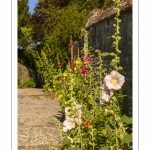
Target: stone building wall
<point>100,27</point>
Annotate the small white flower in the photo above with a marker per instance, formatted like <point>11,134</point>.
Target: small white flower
<point>106,94</point>
<point>78,106</point>
<point>103,102</point>
<point>68,124</point>
<point>66,110</point>
<point>78,120</point>
<point>114,80</point>
<point>78,113</point>
<point>107,110</point>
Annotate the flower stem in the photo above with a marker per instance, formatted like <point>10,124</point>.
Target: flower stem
<point>116,135</point>
<point>80,136</point>
<point>100,77</point>
<point>93,144</point>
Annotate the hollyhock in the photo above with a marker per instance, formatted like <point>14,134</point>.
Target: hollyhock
<point>114,80</point>
<point>70,44</point>
<point>58,64</point>
<point>86,124</point>
<point>85,70</point>
<point>68,124</point>
<point>72,65</point>
<point>86,59</point>
<point>78,62</point>
<point>78,113</point>
<point>106,94</point>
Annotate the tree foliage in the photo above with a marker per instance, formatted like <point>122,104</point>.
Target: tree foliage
<point>23,21</point>
<point>52,25</point>
<point>25,43</point>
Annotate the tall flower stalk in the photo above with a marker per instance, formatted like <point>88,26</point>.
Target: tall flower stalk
<point>116,61</point>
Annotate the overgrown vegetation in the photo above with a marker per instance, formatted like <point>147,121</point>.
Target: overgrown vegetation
<point>92,101</point>
<point>30,83</point>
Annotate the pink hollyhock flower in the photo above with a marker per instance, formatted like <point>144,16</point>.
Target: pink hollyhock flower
<point>71,44</point>
<point>86,59</point>
<point>72,65</point>
<point>85,70</point>
<point>114,80</point>
<point>58,64</point>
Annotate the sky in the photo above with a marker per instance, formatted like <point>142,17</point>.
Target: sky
<point>32,5</point>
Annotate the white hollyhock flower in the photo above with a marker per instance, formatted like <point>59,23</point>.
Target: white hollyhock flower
<point>114,80</point>
<point>106,93</point>
<point>79,111</point>
<point>65,129</point>
<point>68,124</point>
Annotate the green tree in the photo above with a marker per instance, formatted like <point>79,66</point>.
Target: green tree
<point>23,21</point>
<point>55,22</point>
<point>25,43</point>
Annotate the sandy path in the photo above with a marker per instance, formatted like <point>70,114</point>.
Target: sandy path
<point>36,126</point>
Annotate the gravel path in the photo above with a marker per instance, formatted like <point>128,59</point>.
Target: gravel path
<point>36,126</point>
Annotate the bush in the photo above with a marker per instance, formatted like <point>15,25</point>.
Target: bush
<point>29,83</point>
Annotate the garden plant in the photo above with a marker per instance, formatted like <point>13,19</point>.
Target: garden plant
<point>91,97</point>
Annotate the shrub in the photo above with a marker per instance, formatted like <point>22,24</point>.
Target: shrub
<point>30,83</point>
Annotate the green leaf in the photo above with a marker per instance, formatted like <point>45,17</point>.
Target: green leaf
<point>126,119</point>
<point>84,141</point>
<point>127,138</point>
<point>104,54</point>
<point>90,101</point>
<point>109,127</point>
<point>65,141</point>
<point>104,132</point>
<point>97,51</point>
<point>113,63</point>
<point>73,132</point>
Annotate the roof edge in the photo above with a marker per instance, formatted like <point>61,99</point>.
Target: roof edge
<point>100,15</point>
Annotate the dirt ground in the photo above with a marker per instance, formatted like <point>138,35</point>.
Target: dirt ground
<point>36,126</point>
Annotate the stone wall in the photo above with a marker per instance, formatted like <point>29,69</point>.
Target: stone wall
<point>100,27</point>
